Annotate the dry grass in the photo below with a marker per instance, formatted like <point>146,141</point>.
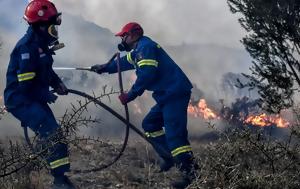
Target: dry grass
<point>240,158</point>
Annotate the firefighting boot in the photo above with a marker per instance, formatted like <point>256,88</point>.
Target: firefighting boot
<point>165,164</point>
<point>187,167</point>
<point>62,182</point>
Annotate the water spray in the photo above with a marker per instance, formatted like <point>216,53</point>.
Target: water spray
<point>71,68</point>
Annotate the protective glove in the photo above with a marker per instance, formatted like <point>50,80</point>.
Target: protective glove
<point>99,68</point>
<point>61,89</point>
<point>124,98</point>
<point>51,98</point>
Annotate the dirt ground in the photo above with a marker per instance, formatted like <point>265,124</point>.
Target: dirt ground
<point>137,169</point>
<point>239,159</point>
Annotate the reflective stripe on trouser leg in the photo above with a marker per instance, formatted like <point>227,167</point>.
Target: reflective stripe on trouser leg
<point>39,118</point>
<point>58,159</point>
<point>175,121</point>
<point>155,133</point>
<point>183,157</point>
<point>180,150</point>
<point>160,146</point>
<point>152,125</point>
<point>59,162</point>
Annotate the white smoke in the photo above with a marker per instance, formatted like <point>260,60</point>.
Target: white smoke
<point>201,36</point>
<point>169,21</point>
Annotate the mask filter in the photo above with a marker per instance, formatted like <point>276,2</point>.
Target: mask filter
<point>57,46</point>
<point>124,47</point>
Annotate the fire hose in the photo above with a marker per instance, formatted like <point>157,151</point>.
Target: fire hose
<point>114,113</point>
<point>127,124</point>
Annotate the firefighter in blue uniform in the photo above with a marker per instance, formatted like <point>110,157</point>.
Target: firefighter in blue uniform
<point>166,123</point>
<point>29,77</point>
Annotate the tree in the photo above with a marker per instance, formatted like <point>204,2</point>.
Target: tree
<point>273,42</point>
<point>230,85</point>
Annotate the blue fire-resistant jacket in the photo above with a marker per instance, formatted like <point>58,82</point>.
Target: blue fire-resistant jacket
<point>155,71</point>
<point>29,72</point>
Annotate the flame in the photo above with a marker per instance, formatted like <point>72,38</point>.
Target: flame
<point>264,120</point>
<point>201,110</point>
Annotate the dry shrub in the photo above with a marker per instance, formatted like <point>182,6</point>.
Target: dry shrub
<point>251,158</point>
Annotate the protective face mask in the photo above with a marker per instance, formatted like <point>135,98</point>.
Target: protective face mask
<point>53,38</point>
<point>123,46</point>
<point>53,31</point>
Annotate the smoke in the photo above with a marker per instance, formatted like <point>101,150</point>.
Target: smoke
<point>172,22</point>
<point>201,36</point>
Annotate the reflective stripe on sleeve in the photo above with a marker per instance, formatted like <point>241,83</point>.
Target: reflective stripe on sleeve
<point>147,62</point>
<point>26,76</point>
<point>181,149</point>
<point>129,58</point>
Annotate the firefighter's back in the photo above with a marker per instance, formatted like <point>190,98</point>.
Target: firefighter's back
<point>170,80</point>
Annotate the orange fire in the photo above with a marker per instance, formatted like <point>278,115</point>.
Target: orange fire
<point>201,110</point>
<point>264,120</point>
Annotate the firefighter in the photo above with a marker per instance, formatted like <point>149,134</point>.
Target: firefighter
<point>28,78</point>
<point>166,123</point>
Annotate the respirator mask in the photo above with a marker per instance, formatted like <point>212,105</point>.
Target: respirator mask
<point>49,32</point>
<point>53,42</point>
<point>123,46</point>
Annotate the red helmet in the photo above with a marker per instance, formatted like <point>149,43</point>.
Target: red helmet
<point>131,27</point>
<point>41,11</point>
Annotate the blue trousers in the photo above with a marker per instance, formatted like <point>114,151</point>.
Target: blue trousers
<point>166,126</point>
<point>40,119</point>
